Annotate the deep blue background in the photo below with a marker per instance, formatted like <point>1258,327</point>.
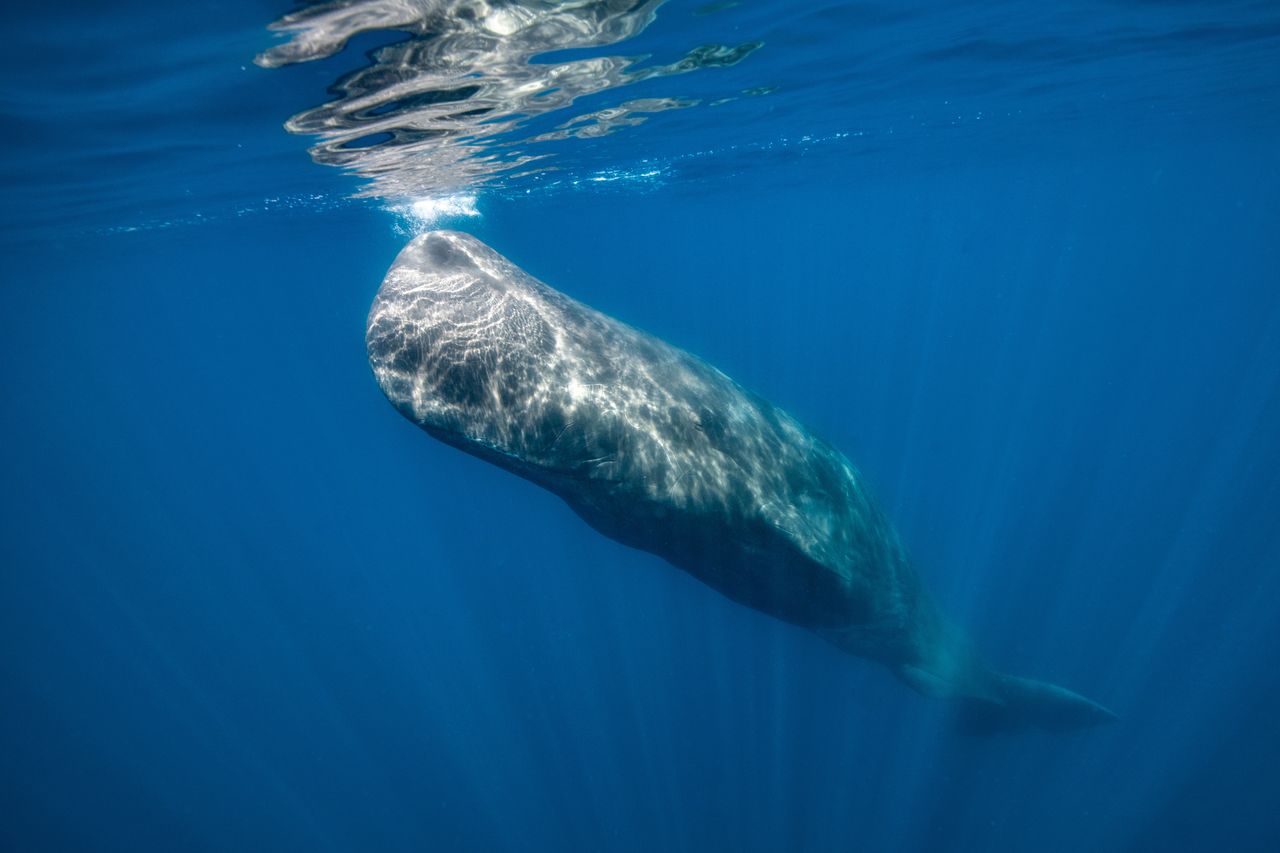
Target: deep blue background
<point>247,606</point>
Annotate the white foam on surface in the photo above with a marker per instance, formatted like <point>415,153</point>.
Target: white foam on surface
<point>424,214</point>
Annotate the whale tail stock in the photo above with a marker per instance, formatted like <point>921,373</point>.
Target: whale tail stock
<point>991,702</point>
<point>937,660</point>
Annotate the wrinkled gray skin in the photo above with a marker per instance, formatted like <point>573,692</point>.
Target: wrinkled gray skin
<point>660,451</point>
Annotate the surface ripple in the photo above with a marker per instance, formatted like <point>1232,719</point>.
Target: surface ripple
<point>463,99</point>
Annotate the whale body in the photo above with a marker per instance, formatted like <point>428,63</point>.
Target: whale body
<point>655,448</point>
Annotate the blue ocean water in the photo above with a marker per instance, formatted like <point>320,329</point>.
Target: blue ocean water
<point>1020,263</point>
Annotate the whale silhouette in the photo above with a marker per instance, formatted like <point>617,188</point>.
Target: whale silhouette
<point>657,449</point>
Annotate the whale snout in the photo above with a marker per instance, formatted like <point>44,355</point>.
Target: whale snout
<point>438,253</point>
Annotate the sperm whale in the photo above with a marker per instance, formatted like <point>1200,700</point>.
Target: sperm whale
<point>657,449</point>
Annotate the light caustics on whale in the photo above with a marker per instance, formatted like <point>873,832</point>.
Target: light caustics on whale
<point>451,107</point>
<point>660,451</point>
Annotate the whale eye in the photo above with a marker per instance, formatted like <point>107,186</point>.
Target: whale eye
<point>712,423</point>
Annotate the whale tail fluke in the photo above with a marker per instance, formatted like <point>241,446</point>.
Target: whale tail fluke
<point>990,702</point>
<point>1023,702</point>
